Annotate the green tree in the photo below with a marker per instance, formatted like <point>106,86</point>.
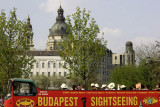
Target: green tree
<point>125,75</point>
<point>42,81</point>
<point>56,81</point>
<point>149,63</point>
<point>81,49</point>
<point>53,82</point>
<point>145,73</point>
<point>14,49</point>
<point>149,72</point>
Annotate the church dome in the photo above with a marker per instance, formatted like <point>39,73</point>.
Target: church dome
<point>129,43</point>
<point>60,27</point>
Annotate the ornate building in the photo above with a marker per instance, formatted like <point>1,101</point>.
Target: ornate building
<point>49,63</point>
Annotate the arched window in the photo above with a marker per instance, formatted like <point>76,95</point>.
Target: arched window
<point>48,64</point>
<point>54,65</point>
<point>43,65</point>
<point>37,65</point>
<point>37,73</point>
<point>48,74</point>
<point>65,74</point>
<point>60,65</point>
<point>54,74</point>
<point>59,73</point>
<point>115,57</point>
<point>64,64</point>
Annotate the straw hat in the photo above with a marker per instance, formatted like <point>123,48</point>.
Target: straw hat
<point>111,85</point>
<point>103,85</point>
<point>92,85</point>
<point>64,86</point>
<point>96,85</point>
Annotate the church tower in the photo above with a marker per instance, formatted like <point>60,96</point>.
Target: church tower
<point>126,58</point>
<point>30,36</point>
<point>130,54</point>
<point>57,31</point>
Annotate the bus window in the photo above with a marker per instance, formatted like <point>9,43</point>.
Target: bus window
<point>9,90</point>
<point>24,89</point>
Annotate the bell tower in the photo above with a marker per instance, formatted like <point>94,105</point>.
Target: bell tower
<point>130,54</point>
<point>30,36</point>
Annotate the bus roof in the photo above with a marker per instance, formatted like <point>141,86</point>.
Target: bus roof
<point>23,80</point>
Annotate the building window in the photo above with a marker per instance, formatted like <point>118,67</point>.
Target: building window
<point>64,64</point>
<point>121,61</point>
<point>54,65</point>
<point>54,74</point>
<point>48,64</point>
<point>104,59</point>
<point>65,74</point>
<point>37,74</point>
<point>37,65</point>
<point>115,57</point>
<point>31,74</point>
<point>48,74</point>
<point>43,65</point>
<point>60,65</point>
<point>42,73</point>
<point>59,73</point>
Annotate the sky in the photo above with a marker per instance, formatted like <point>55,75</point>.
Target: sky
<point>120,20</point>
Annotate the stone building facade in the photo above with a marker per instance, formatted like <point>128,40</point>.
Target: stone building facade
<point>106,67</point>
<point>126,58</point>
<point>49,63</point>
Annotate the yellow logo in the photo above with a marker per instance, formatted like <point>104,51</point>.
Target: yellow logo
<point>150,100</point>
<point>25,102</point>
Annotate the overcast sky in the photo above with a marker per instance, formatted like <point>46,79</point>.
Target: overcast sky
<point>120,20</point>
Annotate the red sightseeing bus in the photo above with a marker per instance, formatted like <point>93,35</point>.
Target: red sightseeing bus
<point>25,93</point>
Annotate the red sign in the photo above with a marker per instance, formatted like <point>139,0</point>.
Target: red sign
<point>29,95</point>
<point>54,98</point>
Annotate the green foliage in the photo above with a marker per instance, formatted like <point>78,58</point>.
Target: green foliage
<point>53,82</point>
<point>74,78</point>
<point>14,49</point>
<point>42,81</point>
<point>149,73</point>
<point>81,49</point>
<point>125,75</point>
<point>145,73</point>
<point>56,81</point>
